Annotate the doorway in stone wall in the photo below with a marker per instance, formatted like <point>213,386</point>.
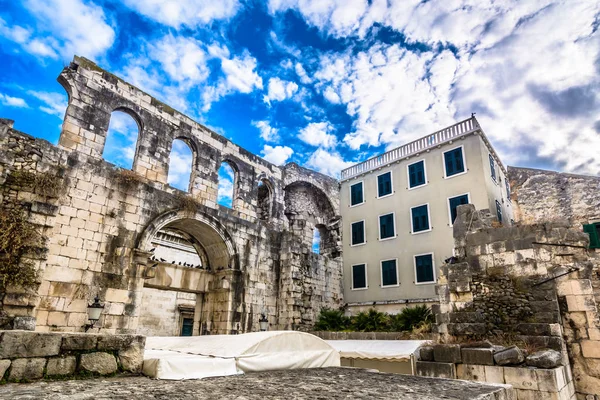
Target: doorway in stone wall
<point>191,261</point>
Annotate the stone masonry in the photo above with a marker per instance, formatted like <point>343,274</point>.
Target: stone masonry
<point>530,284</point>
<point>100,221</point>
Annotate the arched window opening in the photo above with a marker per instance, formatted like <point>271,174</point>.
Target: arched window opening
<point>316,242</point>
<point>121,140</point>
<point>180,165</point>
<point>264,200</point>
<point>175,247</point>
<point>226,186</point>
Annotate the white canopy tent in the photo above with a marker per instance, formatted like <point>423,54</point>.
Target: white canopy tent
<point>396,356</point>
<point>199,357</point>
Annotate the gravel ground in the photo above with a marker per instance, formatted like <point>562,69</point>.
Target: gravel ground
<point>317,384</point>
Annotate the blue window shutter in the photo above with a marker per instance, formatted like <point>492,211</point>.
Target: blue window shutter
<point>424,266</point>
<point>592,230</point>
<point>358,232</point>
<point>458,159</point>
<point>416,174</point>
<point>420,218</point>
<point>455,202</point>
<point>492,167</point>
<point>356,194</point>
<point>388,273</point>
<point>386,226</point>
<point>359,279</point>
<point>499,211</point>
<point>449,164</point>
<point>384,184</point>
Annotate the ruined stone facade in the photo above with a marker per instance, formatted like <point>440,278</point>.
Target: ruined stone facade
<point>100,222</point>
<point>533,284</point>
<point>546,196</point>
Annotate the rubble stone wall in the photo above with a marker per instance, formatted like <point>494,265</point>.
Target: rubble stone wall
<point>99,223</point>
<point>527,283</point>
<point>546,196</point>
<point>27,356</point>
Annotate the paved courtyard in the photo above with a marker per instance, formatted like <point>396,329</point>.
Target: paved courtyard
<point>317,384</point>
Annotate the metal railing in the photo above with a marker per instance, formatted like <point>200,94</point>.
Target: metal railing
<point>459,129</point>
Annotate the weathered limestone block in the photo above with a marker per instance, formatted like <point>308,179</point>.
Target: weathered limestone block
<point>494,374</point>
<point>509,356</point>
<point>79,342</point>
<point>544,359</point>
<point>4,364</point>
<point>521,378</point>
<point>447,353</point>
<point>478,356</point>
<point>436,369</point>
<point>119,342</point>
<point>24,323</point>
<point>426,353</point>
<point>27,369</point>
<point>132,358</point>
<point>61,366</point>
<point>29,344</point>
<point>99,363</point>
<point>471,372</point>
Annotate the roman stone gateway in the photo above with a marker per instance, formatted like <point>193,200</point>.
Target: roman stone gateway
<point>101,225</point>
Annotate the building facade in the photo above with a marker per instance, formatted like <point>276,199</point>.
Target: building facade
<point>397,210</point>
<point>129,238</point>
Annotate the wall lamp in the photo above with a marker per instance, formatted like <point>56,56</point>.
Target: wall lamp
<point>94,310</point>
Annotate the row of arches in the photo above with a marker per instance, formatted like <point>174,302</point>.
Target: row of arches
<point>120,149</point>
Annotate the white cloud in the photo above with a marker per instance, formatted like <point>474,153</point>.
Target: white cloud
<point>225,187</point>
<point>317,134</point>
<point>192,13</point>
<point>328,163</point>
<point>279,90</point>
<point>68,27</point>
<point>267,132</point>
<point>239,76</point>
<point>10,101</point>
<point>182,58</point>
<point>301,72</point>
<point>180,165</point>
<point>53,103</point>
<point>277,155</point>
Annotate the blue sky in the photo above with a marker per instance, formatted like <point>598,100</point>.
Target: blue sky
<point>325,83</point>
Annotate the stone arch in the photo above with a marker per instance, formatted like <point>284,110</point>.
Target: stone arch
<point>265,198</point>
<point>235,181</point>
<point>308,208</point>
<point>205,231</point>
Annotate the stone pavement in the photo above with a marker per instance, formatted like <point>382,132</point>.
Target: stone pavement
<point>317,384</point>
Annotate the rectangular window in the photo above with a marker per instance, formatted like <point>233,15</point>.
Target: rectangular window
<point>507,190</point>
<point>384,184</point>
<point>454,162</point>
<point>492,167</point>
<point>359,276</point>
<point>389,273</point>
<point>424,268</point>
<point>454,202</point>
<point>499,211</point>
<point>416,174</point>
<point>386,226</point>
<point>420,218</point>
<point>356,194</point>
<point>594,231</point>
<point>358,233</point>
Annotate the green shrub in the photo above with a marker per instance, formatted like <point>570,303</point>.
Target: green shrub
<point>412,318</point>
<point>371,321</point>
<point>332,320</point>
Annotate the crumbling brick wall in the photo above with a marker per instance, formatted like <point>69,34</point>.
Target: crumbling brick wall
<point>99,229</point>
<point>527,283</point>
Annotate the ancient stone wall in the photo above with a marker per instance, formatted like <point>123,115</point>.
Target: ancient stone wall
<point>27,356</point>
<point>100,222</point>
<point>546,196</point>
<point>530,284</point>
